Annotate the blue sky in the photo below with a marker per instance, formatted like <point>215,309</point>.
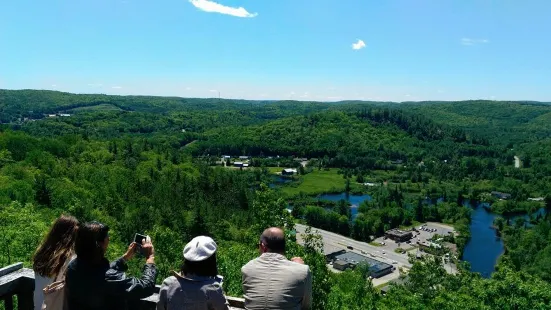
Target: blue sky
<point>399,50</point>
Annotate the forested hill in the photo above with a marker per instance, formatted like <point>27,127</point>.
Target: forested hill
<point>153,165</point>
<point>501,121</point>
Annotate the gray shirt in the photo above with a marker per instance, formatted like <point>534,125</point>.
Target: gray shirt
<point>192,293</point>
<point>271,281</point>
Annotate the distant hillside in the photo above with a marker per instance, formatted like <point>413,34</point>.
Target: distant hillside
<point>502,122</point>
<point>498,121</point>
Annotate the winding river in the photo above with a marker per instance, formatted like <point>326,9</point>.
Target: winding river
<point>483,249</point>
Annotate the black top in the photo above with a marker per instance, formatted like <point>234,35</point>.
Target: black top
<point>105,286</point>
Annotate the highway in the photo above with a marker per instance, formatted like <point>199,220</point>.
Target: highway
<point>332,240</point>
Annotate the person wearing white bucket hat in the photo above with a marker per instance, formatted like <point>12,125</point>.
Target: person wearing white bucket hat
<point>197,285</point>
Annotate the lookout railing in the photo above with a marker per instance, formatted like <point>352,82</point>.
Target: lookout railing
<point>16,281</point>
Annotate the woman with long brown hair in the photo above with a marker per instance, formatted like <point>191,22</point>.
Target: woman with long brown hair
<point>92,283</point>
<point>53,255</point>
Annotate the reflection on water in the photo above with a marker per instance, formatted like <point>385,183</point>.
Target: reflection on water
<point>484,247</point>
<point>354,200</point>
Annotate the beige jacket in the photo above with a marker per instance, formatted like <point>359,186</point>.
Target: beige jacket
<point>271,281</point>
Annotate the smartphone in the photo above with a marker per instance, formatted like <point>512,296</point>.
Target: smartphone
<point>138,238</point>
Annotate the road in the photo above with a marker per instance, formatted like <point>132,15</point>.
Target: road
<point>333,240</point>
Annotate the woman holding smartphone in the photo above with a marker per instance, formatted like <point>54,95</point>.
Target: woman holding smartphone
<point>53,255</point>
<point>92,283</point>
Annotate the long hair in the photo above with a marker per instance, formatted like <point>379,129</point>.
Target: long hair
<point>90,238</point>
<point>206,268</point>
<point>56,248</point>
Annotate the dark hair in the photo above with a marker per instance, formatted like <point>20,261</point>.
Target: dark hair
<point>206,268</point>
<point>56,247</point>
<point>88,245</point>
<point>274,239</point>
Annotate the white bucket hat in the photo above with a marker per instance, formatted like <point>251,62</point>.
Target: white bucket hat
<point>199,249</point>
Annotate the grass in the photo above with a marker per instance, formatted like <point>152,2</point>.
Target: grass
<point>99,107</point>
<point>373,243</point>
<point>317,182</point>
<point>275,170</point>
<point>413,224</point>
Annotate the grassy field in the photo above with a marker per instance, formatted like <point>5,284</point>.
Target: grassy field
<point>99,107</point>
<point>317,182</point>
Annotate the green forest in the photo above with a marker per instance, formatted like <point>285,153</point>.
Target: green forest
<point>153,165</point>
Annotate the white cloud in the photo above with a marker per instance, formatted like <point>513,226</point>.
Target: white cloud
<point>305,95</point>
<point>213,91</point>
<point>188,88</point>
<point>469,41</point>
<point>213,7</point>
<point>333,97</point>
<point>358,45</point>
<point>53,85</point>
<point>95,84</point>
<point>116,87</point>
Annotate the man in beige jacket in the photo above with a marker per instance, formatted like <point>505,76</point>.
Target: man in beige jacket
<point>271,281</point>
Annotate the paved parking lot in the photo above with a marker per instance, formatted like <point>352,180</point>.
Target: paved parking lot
<point>428,231</point>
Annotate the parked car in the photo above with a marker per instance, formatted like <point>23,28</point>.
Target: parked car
<point>363,252</point>
<point>350,247</point>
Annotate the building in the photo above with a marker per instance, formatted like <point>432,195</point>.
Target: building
<point>501,195</point>
<point>289,171</point>
<point>341,265</point>
<point>245,165</point>
<point>429,247</point>
<point>243,157</point>
<point>238,164</point>
<point>398,235</point>
<point>347,260</point>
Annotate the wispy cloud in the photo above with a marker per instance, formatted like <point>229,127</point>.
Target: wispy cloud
<point>188,88</point>
<point>213,7</point>
<point>469,41</point>
<point>116,87</point>
<point>358,45</point>
<point>95,84</point>
<point>54,85</point>
<point>213,91</point>
<point>305,95</point>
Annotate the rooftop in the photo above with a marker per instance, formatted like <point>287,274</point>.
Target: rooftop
<point>356,258</point>
<point>398,232</point>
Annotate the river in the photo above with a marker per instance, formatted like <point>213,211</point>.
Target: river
<point>483,249</point>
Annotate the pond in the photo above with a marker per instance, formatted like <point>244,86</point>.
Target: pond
<point>354,200</point>
<point>484,247</point>
<point>278,180</point>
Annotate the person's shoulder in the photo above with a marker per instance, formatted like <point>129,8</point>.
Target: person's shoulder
<point>297,269</point>
<point>250,265</point>
<point>170,281</point>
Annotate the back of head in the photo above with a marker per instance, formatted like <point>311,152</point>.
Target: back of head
<point>200,257</point>
<point>56,247</point>
<point>89,241</point>
<point>273,240</point>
